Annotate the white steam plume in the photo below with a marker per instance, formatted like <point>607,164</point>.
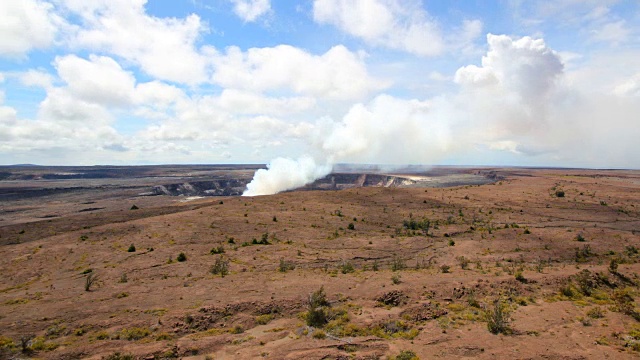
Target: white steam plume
<point>519,106</point>
<point>286,174</point>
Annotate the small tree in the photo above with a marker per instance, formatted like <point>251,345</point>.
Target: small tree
<point>89,280</point>
<point>317,314</point>
<point>132,248</point>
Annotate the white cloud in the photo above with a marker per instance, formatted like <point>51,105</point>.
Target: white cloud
<point>388,23</point>
<point>251,10</point>
<point>98,80</point>
<point>243,102</point>
<point>613,32</point>
<point>164,48</point>
<point>37,78</point>
<point>26,25</point>
<point>338,73</point>
<point>629,87</point>
<point>524,67</point>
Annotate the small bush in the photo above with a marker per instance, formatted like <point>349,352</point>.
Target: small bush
<point>559,193</point>
<point>220,267</point>
<point>406,355</point>
<point>395,279</point>
<point>319,334</point>
<point>317,304</point>
<point>351,226</point>
<point>580,238</point>
<point>464,262</point>
<point>583,254</point>
<point>264,319</point>
<point>346,267</point>
<point>595,313</point>
<point>397,263</point>
<point>182,257</point>
<point>520,277</point>
<point>498,319</point>
<point>285,265</point>
<point>451,242</point>
<point>132,248</point>
<point>119,356</point>
<point>89,280</point>
<point>217,250</point>
<point>135,333</point>
<point>445,268</point>
<point>238,329</point>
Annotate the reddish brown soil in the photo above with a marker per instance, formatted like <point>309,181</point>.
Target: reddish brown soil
<point>181,310</point>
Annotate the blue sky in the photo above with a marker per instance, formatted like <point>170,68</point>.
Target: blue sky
<point>373,81</point>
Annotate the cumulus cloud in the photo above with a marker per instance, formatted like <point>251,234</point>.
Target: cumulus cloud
<point>389,23</point>
<point>98,80</point>
<point>165,48</point>
<point>26,25</point>
<point>251,10</point>
<point>338,73</point>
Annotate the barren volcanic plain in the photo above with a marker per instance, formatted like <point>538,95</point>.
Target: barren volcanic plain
<point>455,263</point>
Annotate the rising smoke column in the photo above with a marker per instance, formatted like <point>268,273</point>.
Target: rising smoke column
<point>518,104</point>
<point>285,174</point>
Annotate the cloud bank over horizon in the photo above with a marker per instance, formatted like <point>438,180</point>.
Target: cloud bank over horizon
<point>304,87</point>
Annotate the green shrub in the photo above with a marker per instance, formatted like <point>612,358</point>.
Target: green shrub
<point>264,319</point>
<point>182,257</point>
<point>317,313</point>
<point>285,265</point>
<point>395,279</point>
<point>132,248</point>
<point>134,333</point>
<point>119,356</point>
<point>220,267</point>
<point>89,280</point>
<point>346,267</point>
<point>405,355</point>
<point>217,250</point>
<point>397,263</point>
<point>498,319</point>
